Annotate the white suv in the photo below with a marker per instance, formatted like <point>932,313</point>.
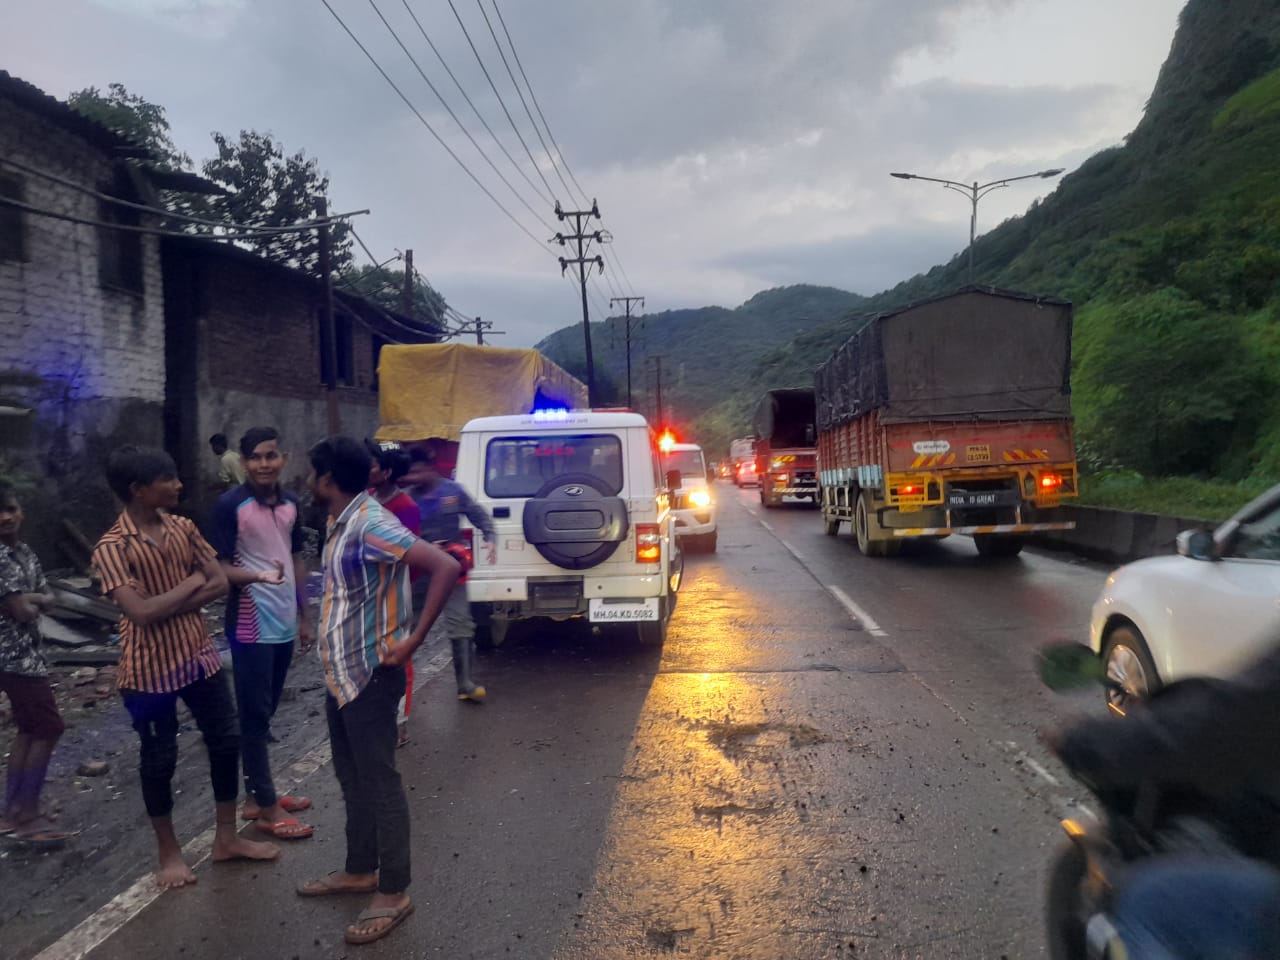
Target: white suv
<point>694,505</point>
<point>583,518</point>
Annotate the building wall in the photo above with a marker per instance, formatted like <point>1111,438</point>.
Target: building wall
<point>247,335</point>
<point>87,360</point>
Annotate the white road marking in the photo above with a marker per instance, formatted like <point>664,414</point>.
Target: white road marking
<point>95,929</point>
<point>859,614</point>
<point>766,525</point>
<point>791,550</point>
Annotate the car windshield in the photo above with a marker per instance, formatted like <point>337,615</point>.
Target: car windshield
<point>521,466</point>
<point>688,462</point>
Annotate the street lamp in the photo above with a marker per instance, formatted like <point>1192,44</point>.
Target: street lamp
<point>975,192</point>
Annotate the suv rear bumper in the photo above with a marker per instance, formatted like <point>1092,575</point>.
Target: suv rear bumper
<point>516,589</point>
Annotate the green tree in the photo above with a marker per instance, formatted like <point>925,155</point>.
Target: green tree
<point>134,118</point>
<point>267,188</point>
<point>1169,385</point>
<point>385,287</point>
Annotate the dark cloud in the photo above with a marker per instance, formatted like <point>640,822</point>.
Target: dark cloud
<point>864,264</point>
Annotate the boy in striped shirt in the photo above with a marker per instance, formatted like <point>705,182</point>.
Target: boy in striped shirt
<point>365,641</point>
<point>160,571</point>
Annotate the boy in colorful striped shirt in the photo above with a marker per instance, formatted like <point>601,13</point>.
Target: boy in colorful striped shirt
<point>257,532</point>
<point>365,642</point>
<point>160,572</point>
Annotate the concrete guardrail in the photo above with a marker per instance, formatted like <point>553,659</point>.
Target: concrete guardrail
<point>1118,536</point>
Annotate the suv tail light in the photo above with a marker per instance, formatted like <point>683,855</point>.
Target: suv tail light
<point>648,543</point>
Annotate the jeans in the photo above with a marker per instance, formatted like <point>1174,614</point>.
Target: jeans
<point>362,736</point>
<point>1188,908</point>
<point>260,670</point>
<point>155,718</point>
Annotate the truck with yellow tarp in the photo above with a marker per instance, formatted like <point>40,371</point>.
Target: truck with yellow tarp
<point>952,415</point>
<point>427,392</point>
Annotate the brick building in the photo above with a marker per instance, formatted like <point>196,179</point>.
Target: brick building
<point>246,347</point>
<point>110,336</point>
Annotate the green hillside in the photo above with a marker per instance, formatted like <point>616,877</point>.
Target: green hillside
<point>1170,248</point>
<point>706,352</point>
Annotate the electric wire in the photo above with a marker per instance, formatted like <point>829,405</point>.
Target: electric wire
<point>423,120</point>
<point>138,228</point>
<point>172,215</point>
<point>369,253</point>
<point>520,93</point>
<point>479,116</point>
<point>551,136</point>
<point>494,87</point>
<point>400,43</point>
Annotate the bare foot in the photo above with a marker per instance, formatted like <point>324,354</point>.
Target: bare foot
<point>173,872</point>
<point>238,848</point>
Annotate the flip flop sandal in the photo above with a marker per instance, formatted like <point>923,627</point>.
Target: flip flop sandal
<point>395,915</point>
<point>286,828</point>
<point>287,804</point>
<point>49,837</point>
<point>322,888</point>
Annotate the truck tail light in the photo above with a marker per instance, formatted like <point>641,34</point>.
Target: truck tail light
<point>1049,482</point>
<point>648,543</point>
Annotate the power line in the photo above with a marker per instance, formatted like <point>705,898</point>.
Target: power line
<point>171,215</point>
<point>395,36</point>
<point>423,120</point>
<point>551,136</point>
<point>155,231</point>
<point>520,93</point>
<point>503,103</point>
<point>479,116</point>
<point>534,98</point>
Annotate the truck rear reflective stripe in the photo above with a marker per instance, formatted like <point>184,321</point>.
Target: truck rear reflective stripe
<point>988,528</point>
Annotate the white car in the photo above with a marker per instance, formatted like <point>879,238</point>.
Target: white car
<point>693,502</point>
<point>583,520</point>
<point>1207,611</point>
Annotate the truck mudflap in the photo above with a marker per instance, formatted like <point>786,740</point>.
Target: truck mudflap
<point>983,528</point>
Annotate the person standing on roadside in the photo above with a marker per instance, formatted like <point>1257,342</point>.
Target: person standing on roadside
<point>441,505</point>
<point>230,469</point>
<point>160,571</point>
<point>390,463</point>
<point>257,533</point>
<point>24,676</point>
<point>365,642</point>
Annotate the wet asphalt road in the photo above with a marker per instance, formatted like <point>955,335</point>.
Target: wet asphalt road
<point>832,757</point>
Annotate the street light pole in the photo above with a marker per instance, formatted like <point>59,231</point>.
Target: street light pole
<point>975,192</point>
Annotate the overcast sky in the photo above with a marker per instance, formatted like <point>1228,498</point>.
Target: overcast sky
<point>733,145</point>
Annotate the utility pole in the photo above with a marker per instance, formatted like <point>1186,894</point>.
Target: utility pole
<point>328,333</point>
<point>657,359</point>
<point>583,241</point>
<point>407,296</point>
<point>628,301</point>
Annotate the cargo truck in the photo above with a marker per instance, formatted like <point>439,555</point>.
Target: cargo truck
<point>952,415</point>
<point>786,457</point>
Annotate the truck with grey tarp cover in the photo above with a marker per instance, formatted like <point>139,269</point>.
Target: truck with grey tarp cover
<point>784,447</point>
<point>952,415</point>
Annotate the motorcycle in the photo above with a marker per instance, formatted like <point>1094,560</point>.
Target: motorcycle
<point>1091,865</point>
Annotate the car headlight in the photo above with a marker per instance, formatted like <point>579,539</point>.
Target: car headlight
<point>700,498</point>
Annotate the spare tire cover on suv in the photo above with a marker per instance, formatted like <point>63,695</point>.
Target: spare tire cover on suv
<point>574,523</point>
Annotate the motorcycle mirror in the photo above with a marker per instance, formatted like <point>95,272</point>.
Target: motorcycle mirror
<point>1070,666</point>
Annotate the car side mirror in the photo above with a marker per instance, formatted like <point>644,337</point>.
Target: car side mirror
<point>1197,545</point>
<point>673,480</point>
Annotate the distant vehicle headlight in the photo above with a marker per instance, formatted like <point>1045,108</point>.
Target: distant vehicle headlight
<point>700,498</point>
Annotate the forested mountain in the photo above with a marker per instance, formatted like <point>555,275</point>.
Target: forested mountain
<point>705,351</point>
<point>1170,248</point>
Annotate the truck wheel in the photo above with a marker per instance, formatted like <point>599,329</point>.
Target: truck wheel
<point>709,541</point>
<point>767,501</point>
<point>862,530</point>
<point>832,527</point>
<point>995,545</point>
